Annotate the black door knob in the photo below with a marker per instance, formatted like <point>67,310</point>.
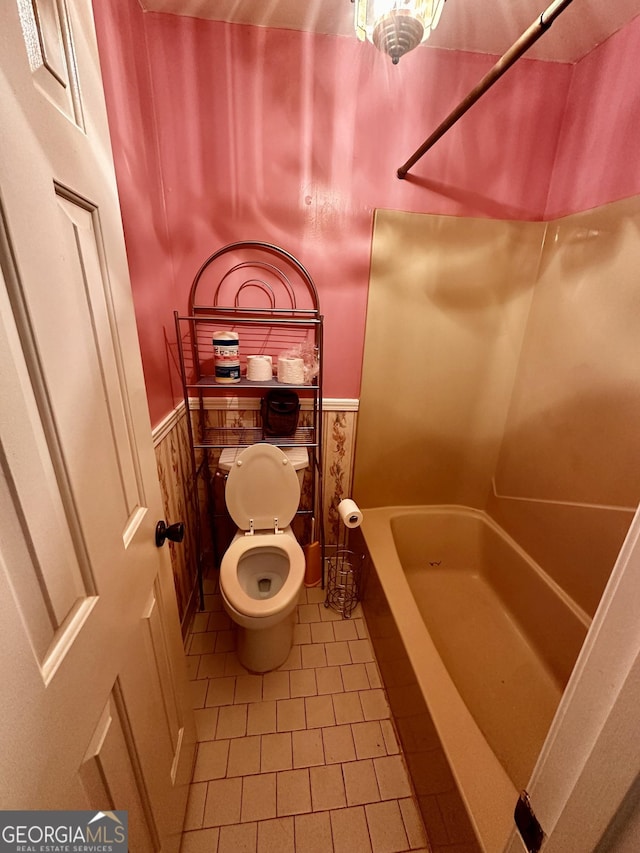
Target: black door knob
<point>174,532</point>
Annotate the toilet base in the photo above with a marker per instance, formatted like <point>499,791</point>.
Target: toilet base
<point>267,648</point>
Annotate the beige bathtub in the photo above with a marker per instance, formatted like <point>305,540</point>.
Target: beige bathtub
<point>475,645</point>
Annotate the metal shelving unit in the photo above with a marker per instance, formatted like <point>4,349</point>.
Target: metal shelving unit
<point>263,293</point>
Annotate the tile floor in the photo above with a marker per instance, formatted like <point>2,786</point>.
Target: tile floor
<point>301,759</point>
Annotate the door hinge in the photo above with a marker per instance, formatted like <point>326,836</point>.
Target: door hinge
<point>527,823</point>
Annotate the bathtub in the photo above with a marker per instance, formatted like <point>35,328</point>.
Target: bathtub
<point>475,646</point>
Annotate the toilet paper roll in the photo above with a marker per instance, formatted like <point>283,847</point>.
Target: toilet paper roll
<point>350,513</point>
<point>259,368</point>
<point>290,370</point>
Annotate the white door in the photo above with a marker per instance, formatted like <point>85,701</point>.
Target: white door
<point>583,789</point>
<point>92,671</point>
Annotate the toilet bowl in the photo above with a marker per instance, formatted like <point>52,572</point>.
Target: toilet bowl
<point>262,571</point>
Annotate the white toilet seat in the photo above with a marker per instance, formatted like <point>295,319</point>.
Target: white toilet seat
<point>287,595</point>
<point>262,489</point>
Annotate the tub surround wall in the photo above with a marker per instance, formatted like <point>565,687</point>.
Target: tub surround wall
<point>448,304</point>
<point>567,480</point>
<point>518,388</point>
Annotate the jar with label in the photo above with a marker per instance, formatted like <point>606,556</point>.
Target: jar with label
<point>226,357</point>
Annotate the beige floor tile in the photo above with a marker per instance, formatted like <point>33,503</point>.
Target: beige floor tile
<point>301,633</point>
<point>368,739</point>
<point>206,721</point>
<point>373,674</point>
<point>354,677</point>
<point>338,744</point>
<point>193,663</point>
<point>307,748</point>
<point>350,831</point>
<point>241,838</point>
<point>199,624</point>
<point>224,798</point>
<point>211,666</point>
<point>293,661</point>
<point>316,595</point>
<point>221,691</point>
<point>258,797</point>
<point>320,713</point>
<point>200,841</point>
<point>306,613</point>
<point>361,626</point>
<point>248,689</point>
<point>361,651</point>
<point>327,787</point>
<point>212,602</point>
<point>311,755</point>
<point>374,705</point>
<point>225,641</point>
<point>210,587</point>
<point>261,718</point>
<point>345,630</point>
<point>198,693</point>
<point>195,805</point>
<point>393,780</point>
<point>275,685</point>
<point>313,655</point>
<point>390,738</point>
<point>232,721</point>
<point>203,644</point>
<point>313,833</point>
<point>276,836</point>
<point>360,782</point>
<point>219,621</point>
<point>386,827</point>
<point>277,752</point>
<point>244,756</point>
<point>347,708</point>
<point>328,614</point>
<point>211,760</point>
<point>329,679</point>
<point>303,683</point>
<point>413,824</point>
<point>293,792</point>
<point>322,632</point>
<point>290,715</point>
<point>232,665</point>
<point>338,654</point>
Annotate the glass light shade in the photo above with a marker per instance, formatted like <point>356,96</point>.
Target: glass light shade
<point>396,26</point>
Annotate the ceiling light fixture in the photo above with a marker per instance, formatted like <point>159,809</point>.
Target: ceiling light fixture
<point>396,26</point>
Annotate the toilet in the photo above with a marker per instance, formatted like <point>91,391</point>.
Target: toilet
<point>262,570</point>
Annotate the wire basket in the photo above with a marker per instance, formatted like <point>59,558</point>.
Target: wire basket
<point>344,578</point>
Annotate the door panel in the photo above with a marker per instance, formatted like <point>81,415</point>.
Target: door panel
<point>110,773</point>
<point>47,37</point>
<point>93,672</point>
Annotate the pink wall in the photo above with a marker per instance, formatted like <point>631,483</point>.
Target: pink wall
<point>226,132</point>
<point>597,160</point>
<point>128,90</point>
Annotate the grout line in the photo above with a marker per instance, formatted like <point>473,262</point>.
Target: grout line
<point>307,718</point>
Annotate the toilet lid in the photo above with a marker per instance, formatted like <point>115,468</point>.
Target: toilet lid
<point>262,486</point>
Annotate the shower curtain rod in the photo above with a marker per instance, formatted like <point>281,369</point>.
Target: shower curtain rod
<point>528,38</point>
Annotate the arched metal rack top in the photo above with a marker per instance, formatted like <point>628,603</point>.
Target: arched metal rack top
<point>283,281</point>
